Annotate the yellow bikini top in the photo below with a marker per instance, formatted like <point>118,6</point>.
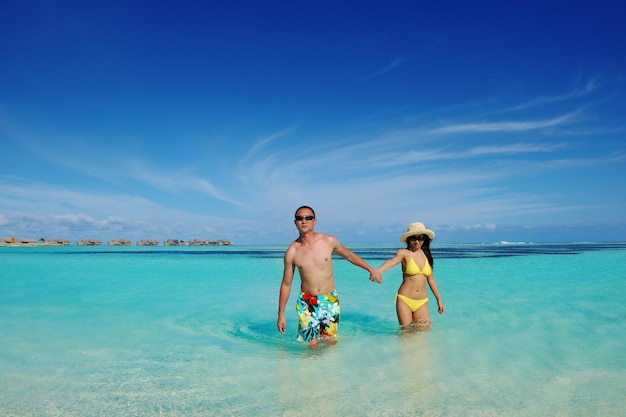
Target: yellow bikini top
<point>413,269</point>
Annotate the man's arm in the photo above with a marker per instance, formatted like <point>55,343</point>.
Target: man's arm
<point>285,289</point>
<point>355,259</point>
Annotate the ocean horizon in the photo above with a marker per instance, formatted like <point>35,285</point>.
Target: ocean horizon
<point>529,329</point>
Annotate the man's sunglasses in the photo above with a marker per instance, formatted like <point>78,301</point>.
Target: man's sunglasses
<point>307,218</point>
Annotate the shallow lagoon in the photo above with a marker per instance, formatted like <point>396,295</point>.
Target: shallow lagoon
<point>529,330</point>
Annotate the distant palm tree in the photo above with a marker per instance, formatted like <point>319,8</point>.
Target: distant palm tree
<point>42,240</point>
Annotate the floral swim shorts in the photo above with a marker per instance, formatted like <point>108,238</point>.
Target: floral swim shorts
<point>318,315</point>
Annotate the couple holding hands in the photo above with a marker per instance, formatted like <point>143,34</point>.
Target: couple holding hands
<point>318,304</point>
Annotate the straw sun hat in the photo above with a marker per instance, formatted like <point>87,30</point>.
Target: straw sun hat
<point>416,229</point>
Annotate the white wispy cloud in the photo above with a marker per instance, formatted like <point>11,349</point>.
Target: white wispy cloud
<point>582,89</point>
<point>475,227</point>
<point>514,149</point>
<point>52,210</point>
<point>505,126</point>
<point>261,144</point>
<point>452,174</point>
<point>392,65</point>
<point>87,158</point>
<point>357,180</point>
<point>181,183</point>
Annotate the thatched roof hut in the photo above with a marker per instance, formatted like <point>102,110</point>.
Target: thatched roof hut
<point>89,242</point>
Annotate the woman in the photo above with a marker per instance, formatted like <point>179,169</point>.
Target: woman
<point>417,264</point>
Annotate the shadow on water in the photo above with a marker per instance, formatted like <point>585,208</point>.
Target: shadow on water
<point>258,338</point>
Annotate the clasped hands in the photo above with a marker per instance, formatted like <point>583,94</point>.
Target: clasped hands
<point>376,276</point>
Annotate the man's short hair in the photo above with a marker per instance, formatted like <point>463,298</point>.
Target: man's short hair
<point>305,207</point>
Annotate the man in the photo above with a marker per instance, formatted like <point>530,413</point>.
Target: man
<point>318,304</point>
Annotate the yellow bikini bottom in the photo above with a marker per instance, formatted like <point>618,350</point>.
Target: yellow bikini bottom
<point>414,305</point>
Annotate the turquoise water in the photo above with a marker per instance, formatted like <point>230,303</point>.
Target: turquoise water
<point>529,330</point>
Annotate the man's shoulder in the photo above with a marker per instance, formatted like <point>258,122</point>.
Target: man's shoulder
<point>293,245</point>
<point>327,238</point>
<point>316,241</point>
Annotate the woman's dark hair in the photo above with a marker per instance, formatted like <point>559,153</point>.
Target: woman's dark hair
<point>426,249</point>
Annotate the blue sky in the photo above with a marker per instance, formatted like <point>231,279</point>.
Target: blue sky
<point>485,121</point>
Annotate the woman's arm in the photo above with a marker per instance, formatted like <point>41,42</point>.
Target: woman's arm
<point>390,263</point>
<point>432,283</point>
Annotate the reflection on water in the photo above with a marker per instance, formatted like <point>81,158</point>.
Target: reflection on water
<point>392,372</point>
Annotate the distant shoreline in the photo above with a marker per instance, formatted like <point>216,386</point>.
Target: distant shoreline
<point>114,242</point>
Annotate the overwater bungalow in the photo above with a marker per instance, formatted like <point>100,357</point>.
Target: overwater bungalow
<point>173,242</point>
<point>119,242</point>
<point>204,242</point>
<point>58,242</point>
<point>89,242</point>
<point>147,242</point>
<point>17,241</point>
